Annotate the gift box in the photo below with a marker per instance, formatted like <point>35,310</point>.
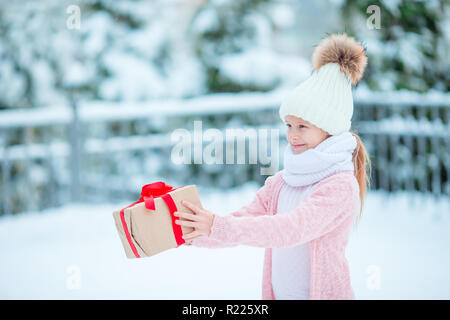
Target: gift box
<point>147,226</point>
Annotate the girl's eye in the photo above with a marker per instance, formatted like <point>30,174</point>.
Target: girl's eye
<point>300,126</point>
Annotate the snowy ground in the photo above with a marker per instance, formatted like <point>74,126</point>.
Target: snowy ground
<point>400,251</point>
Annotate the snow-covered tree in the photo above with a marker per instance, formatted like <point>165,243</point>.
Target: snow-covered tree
<point>410,47</point>
<point>235,42</point>
<point>135,50</point>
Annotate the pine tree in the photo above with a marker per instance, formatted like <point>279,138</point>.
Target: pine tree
<point>224,28</point>
<point>410,49</point>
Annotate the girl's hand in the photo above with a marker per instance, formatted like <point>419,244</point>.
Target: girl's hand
<point>202,220</point>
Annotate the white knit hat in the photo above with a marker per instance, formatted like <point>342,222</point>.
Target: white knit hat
<point>325,98</point>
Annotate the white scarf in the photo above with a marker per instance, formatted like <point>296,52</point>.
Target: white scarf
<point>330,156</point>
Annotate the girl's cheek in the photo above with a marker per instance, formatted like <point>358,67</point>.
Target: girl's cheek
<point>288,133</point>
<point>294,133</point>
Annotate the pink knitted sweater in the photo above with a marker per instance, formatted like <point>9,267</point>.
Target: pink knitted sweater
<point>324,220</point>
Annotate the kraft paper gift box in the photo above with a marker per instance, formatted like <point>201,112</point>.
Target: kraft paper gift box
<point>147,226</point>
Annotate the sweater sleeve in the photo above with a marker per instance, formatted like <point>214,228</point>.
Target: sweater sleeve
<point>257,207</point>
<point>328,205</point>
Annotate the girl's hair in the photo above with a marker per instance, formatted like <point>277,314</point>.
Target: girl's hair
<point>363,168</point>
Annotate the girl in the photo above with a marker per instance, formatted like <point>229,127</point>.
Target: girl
<point>304,213</point>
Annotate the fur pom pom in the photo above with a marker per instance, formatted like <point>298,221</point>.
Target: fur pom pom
<point>343,50</point>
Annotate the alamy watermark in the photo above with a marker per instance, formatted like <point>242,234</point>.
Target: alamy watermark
<point>74,20</point>
<point>73,280</point>
<point>374,20</point>
<point>373,281</point>
<point>190,147</point>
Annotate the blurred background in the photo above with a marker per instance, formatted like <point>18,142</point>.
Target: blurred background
<point>90,92</point>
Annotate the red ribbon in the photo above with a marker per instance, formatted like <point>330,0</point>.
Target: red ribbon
<point>148,194</point>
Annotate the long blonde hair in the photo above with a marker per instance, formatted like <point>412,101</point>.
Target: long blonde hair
<point>363,169</point>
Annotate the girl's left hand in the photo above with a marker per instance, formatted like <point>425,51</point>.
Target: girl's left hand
<point>202,220</point>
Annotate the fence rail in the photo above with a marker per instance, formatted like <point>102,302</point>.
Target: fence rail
<point>94,151</point>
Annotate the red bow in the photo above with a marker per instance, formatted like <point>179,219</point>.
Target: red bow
<point>154,190</point>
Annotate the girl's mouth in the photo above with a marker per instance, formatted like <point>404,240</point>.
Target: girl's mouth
<point>297,145</point>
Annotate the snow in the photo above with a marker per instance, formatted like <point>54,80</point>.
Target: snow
<point>392,5</point>
<point>159,54</point>
<point>96,40</point>
<point>399,251</point>
<point>283,16</point>
<point>431,98</point>
<point>16,82</point>
<point>404,126</point>
<point>409,53</point>
<point>264,67</point>
<point>183,70</point>
<point>207,19</point>
<point>132,79</point>
<point>77,75</point>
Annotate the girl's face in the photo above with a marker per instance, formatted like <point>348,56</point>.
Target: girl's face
<point>302,135</point>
